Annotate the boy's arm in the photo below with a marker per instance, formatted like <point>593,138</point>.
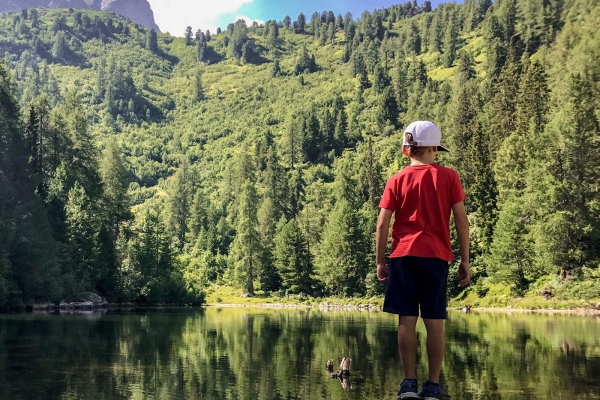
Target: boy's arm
<point>462,229</point>
<point>383,227</point>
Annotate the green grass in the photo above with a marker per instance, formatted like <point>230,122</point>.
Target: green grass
<point>228,295</point>
<point>567,295</point>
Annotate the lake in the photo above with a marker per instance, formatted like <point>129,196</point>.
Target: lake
<point>242,353</point>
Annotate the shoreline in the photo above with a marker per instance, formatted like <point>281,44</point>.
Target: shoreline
<point>585,312</point>
<point>545,311</point>
<point>341,307</point>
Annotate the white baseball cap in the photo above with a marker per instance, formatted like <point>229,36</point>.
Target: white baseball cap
<point>425,134</point>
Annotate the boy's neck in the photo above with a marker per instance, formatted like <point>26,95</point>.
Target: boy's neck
<point>415,161</point>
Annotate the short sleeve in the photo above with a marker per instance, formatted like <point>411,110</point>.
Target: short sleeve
<point>388,199</point>
<point>457,193</point>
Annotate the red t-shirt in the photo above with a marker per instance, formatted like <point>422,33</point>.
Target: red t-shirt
<point>422,197</point>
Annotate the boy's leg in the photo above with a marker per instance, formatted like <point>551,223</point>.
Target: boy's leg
<point>433,311</point>
<point>401,298</point>
<point>436,346</point>
<point>407,344</point>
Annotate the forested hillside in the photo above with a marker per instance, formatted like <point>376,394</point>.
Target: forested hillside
<point>146,167</point>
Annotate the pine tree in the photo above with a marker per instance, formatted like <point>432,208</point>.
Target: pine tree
<point>179,205</point>
<point>267,219</point>
<point>83,158</point>
<point>504,105</point>
<point>114,173</point>
<point>61,47</point>
<point>292,258</point>
<point>246,248</point>
<point>273,36</point>
<point>450,42</point>
<point>294,141</point>
<point>301,23</point>
<point>239,36</point>
<point>152,40</point>
<point>533,100</point>
<point>342,256</point>
<point>201,46</point>
<point>82,231</point>
<point>331,33</point>
<point>276,70</point>
<point>569,233</point>
<point>198,89</point>
<point>381,80</point>
<point>297,192</point>
<point>199,218</point>
<point>247,52</point>
<point>436,33</point>
<point>276,184</point>
<point>400,83</point>
<point>188,36</point>
<point>413,41</point>
<point>511,251</point>
<point>387,112</point>
<point>370,183</point>
<point>305,63</point>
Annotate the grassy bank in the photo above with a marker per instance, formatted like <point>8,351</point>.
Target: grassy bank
<point>480,295</point>
<point>227,295</point>
<point>541,294</point>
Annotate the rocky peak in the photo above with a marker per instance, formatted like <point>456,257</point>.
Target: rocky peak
<point>136,10</point>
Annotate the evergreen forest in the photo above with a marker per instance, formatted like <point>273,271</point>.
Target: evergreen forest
<point>148,168</point>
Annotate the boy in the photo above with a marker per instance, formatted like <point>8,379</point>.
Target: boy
<point>422,196</point>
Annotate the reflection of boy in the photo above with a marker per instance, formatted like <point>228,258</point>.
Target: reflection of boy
<point>422,196</point>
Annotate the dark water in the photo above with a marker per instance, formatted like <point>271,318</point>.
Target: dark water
<point>281,354</point>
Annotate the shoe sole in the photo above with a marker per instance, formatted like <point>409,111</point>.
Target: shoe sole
<point>408,396</point>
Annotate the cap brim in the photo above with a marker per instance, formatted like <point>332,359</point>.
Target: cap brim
<point>442,148</point>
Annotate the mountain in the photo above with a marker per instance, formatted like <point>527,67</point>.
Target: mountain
<point>136,10</point>
<point>145,166</point>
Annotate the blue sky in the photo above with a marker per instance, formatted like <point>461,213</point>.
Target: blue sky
<point>174,16</point>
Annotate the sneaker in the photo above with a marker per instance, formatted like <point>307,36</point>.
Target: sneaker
<point>408,389</point>
<point>430,391</point>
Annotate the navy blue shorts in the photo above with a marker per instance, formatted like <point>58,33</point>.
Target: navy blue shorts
<point>414,282</point>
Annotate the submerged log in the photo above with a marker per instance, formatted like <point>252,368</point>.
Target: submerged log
<point>329,365</point>
<point>343,370</point>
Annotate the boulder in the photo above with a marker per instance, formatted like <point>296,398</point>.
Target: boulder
<point>92,298</point>
<point>83,305</point>
<point>64,305</point>
<point>246,295</point>
<point>84,301</point>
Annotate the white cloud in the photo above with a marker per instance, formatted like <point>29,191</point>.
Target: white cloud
<point>249,21</point>
<point>174,16</point>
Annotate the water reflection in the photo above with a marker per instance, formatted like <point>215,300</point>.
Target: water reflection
<point>281,354</point>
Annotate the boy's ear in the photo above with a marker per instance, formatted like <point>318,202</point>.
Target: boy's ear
<point>405,151</point>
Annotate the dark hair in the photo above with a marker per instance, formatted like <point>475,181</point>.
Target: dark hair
<point>414,151</point>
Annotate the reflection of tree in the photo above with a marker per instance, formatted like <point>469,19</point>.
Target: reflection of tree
<point>261,354</point>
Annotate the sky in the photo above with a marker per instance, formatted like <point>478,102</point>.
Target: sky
<point>174,16</point>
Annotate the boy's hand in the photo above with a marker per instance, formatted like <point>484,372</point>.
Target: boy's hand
<point>464,273</point>
<point>382,272</point>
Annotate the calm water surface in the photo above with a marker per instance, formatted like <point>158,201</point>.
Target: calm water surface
<point>281,354</point>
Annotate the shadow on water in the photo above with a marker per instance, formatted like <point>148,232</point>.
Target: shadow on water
<point>281,354</point>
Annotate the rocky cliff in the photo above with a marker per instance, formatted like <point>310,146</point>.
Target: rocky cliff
<point>136,10</point>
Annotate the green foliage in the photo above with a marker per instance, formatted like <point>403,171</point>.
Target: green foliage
<point>176,172</point>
